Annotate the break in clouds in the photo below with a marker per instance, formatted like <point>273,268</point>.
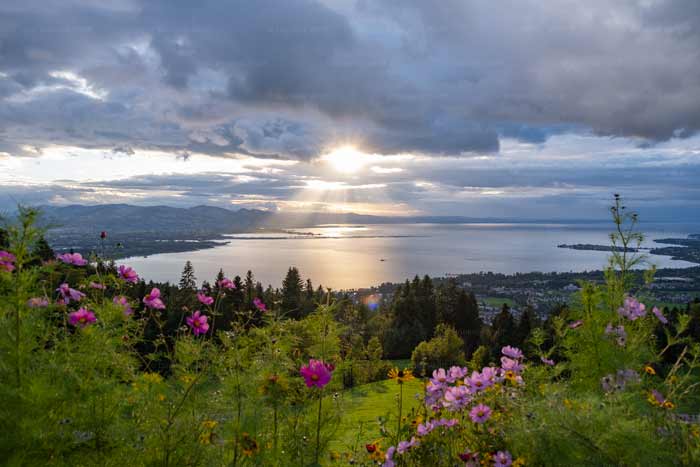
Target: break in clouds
<point>520,84</point>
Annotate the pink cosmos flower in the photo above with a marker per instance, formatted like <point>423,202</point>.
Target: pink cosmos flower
<point>259,305</point>
<point>632,309</point>
<point>124,303</point>
<point>204,299</point>
<point>153,301</point>
<point>68,294</point>
<point>576,324</point>
<point>75,259</point>
<point>316,373</point>
<point>512,352</point>
<point>128,274</point>
<point>389,457</point>
<point>547,361</point>
<point>6,261</point>
<point>424,429</point>
<point>83,317</point>
<point>406,445</point>
<point>480,413</point>
<point>449,423</point>
<point>456,397</point>
<point>617,331</point>
<point>456,373</point>
<point>226,283</point>
<point>502,459</point>
<point>659,315</point>
<point>508,364</point>
<point>198,323</point>
<point>491,374</point>
<point>477,382</point>
<point>38,302</point>
<point>97,285</point>
<point>440,377</point>
<point>434,392</point>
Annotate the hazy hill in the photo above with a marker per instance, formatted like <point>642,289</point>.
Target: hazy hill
<point>162,219</point>
<point>202,220</point>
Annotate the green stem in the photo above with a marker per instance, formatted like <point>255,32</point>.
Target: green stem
<point>318,425</point>
<point>18,354</point>
<point>274,429</point>
<point>398,421</point>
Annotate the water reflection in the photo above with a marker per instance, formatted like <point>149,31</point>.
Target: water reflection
<point>342,256</point>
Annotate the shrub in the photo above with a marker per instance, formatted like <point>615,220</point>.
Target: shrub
<point>445,349</point>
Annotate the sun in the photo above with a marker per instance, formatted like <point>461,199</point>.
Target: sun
<point>346,159</point>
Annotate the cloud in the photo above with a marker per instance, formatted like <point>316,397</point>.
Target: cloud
<point>290,78</point>
<point>554,102</point>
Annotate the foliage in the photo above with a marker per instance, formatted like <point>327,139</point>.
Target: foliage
<point>445,349</point>
<point>100,368</point>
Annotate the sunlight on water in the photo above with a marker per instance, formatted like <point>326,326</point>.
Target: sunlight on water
<point>343,256</point>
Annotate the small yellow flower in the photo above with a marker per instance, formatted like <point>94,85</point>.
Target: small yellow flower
<point>208,435</point>
<point>153,378</point>
<point>518,462</point>
<point>161,397</point>
<point>695,431</point>
<point>669,405</point>
<point>649,370</point>
<point>416,421</point>
<point>377,455</point>
<point>209,424</point>
<point>187,379</point>
<point>568,404</point>
<point>400,376</point>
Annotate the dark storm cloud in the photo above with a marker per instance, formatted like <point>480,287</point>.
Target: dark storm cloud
<point>288,78</point>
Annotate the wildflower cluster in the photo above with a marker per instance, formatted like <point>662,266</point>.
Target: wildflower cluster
<point>7,261</point>
<point>464,414</point>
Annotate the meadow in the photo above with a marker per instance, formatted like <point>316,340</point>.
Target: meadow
<point>98,367</point>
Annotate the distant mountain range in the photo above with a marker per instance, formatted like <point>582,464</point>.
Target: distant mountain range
<point>145,230</point>
<point>124,218</point>
<point>204,220</point>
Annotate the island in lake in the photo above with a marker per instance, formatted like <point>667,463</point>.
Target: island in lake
<point>684,249</point>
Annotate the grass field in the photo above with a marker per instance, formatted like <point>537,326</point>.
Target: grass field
<point>497,301</point>
<point>364,404</point>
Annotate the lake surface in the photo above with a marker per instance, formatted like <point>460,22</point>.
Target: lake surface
<point>350,256</point>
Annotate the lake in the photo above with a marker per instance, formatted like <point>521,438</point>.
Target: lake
<point>352,256</point>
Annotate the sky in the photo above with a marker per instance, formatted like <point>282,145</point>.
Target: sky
<point>527,108</point>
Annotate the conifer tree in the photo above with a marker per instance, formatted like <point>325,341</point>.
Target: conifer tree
<point>188,279</point>
<point>468,322</point>
<point>503,330</point>
<point>291,294</point>
<point>249,288</point>
<point>525,325</point>
<point>219,277</point>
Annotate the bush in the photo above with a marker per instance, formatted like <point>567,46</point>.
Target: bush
<point>443,350</point>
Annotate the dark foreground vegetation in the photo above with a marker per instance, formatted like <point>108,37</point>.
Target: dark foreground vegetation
<point>98,367</point>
